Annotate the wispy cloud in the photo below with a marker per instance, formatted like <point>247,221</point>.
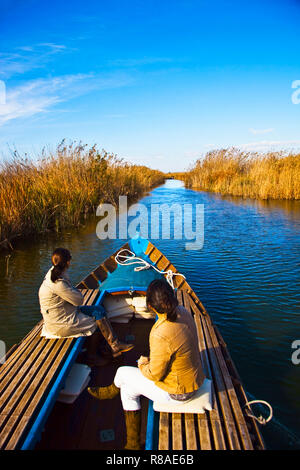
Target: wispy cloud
<point>40,95</point>
<point>270,144</point>
<point>261,131</point>
<point>28,57</point>
<point>53,48</point>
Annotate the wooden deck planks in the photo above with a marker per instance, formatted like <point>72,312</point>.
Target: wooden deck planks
<point>236,409</point>
<point>204,436</point>
<point>209,420</point>
<point>164,433</point>
<point>233,416</point>
<point>224,426</point>
<point>36,387</point>
<point>39,387</point>
<point>34,366</point>
<point>222,397</point>
<point>20,350</point>
<point>190,431</point>
<point>177,431</point>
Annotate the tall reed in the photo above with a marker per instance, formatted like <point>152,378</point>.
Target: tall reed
<point>232,171</point>
<point>60,187</point>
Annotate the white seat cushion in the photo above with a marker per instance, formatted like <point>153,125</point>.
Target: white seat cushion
<point>201,401</point>
<point>47,335</point>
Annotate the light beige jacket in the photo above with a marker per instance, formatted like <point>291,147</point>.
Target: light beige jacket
<point>59,303</point>
<point>174,364</point>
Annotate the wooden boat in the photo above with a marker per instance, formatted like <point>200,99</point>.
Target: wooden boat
<point>36,369</point>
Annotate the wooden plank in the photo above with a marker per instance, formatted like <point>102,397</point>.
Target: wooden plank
<point>94,276</point>
<point>110,264</point>
<point>90,282</point>
<point>240,390</point>
<point>204,419</point>
<point>163,263</point>
<point>164,432</point>
<point>16,374</point>
<point>202,347</point>
<point>13,396</point>
<point>13,388</point>
<point>100,273</point>
<point>241,424</point>
<point>156,255</point>
<point>26,374</point>
<point>92,297</point>
<point>190,432</point>
<point>38,388</point>
<point>177,442</point>
<point>19,353</point>
<point>205,442</point>
<point>213,416</point>
<point>180,282</point>
<point>149,249</point>
<point>225,408</point>
<point>186,301</point>
<point>180,297</point>
<point>196,303</point>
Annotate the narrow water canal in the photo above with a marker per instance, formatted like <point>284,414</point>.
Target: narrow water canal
<point>247,275</point>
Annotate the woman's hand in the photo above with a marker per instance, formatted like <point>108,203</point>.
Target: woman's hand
<point>142,360</point>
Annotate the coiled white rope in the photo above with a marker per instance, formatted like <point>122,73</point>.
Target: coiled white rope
<point>130,259</point>
<point>260,418</point>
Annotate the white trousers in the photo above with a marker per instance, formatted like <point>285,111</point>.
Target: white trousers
<point>133,384</point>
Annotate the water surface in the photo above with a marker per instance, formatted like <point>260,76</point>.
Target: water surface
<point>247,275</point>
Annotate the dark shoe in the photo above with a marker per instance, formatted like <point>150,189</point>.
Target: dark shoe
<point>104,393</point>
<point>133,430</point>
<point>96,361</point>
<point>116,346</point>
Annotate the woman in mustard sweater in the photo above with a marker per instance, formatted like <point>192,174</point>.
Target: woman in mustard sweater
<point>173,370</point>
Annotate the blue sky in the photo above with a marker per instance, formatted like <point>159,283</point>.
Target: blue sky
<point>156,82</point>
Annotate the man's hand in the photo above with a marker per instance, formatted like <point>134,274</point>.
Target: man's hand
<point>142,360</point>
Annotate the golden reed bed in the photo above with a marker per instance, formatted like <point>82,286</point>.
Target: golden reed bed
<point>231,171</point>
<point>59,188</point>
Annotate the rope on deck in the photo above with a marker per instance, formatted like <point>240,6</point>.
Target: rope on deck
<point>260,419</point>
<point>130,259</point>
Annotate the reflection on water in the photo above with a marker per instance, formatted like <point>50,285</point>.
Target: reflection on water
<point>247,275</point>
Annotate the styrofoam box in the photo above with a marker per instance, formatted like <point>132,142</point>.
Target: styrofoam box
<point>76,382</point>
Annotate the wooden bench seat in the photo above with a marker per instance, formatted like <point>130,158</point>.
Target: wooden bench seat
<point>226,426</point>
<point>30,381</point>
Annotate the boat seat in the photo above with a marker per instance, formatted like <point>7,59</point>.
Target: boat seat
<point>31,379</point>
<point>200,402</point>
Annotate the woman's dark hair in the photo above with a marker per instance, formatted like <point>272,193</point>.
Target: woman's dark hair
<point>59,259</point>
<point>160,296</point>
